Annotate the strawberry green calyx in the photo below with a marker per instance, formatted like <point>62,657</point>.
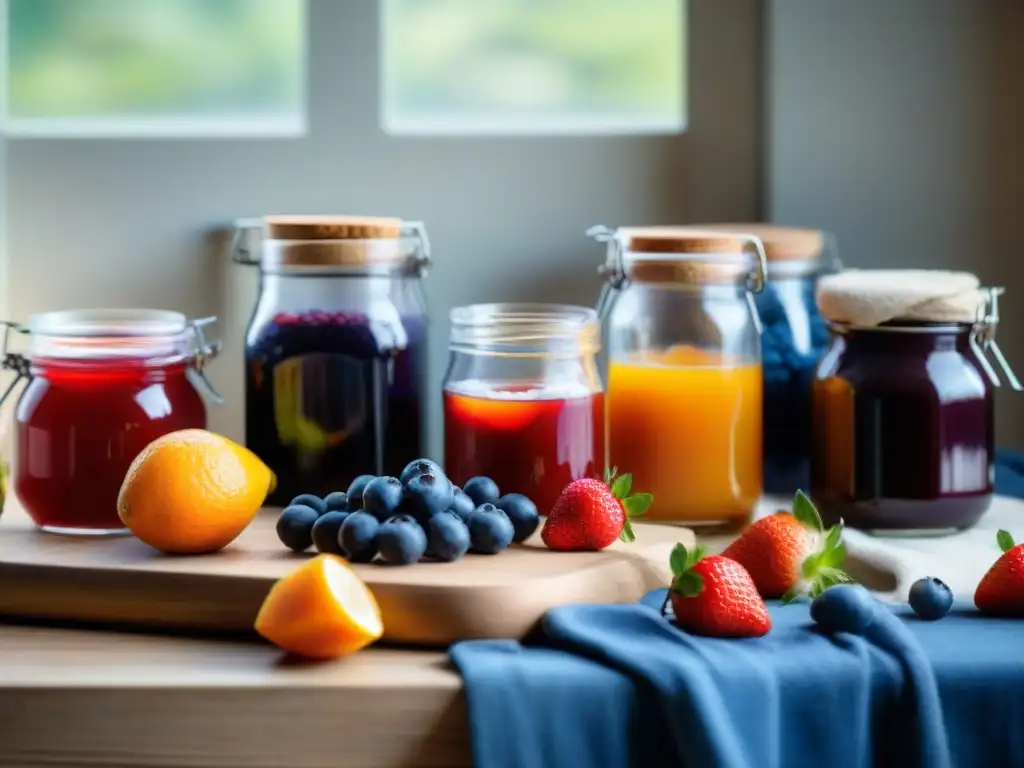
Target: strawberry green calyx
<point>1005,541</point>
<point>634,505</point>
<point>821,569</point>
<point>685,581</point>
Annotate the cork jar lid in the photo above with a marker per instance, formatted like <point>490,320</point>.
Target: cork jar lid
<point>780,243</point>
<point>331,227</point>
<point>871,297</point>
<point>342,242</point>
<point>684,254</point>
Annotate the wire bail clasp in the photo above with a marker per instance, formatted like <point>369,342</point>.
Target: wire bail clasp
<point>13,361</point>
<point>830,253</point>
<point>204,353</point>
<point>423,259</point>
<point>245,243</point>
<point>613,271</point>
<point>983,340</point>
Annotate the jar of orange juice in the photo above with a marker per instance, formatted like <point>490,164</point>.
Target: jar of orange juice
<point>684,375</point>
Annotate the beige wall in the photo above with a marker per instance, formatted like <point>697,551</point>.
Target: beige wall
<point>900,127</point>
<point>123,223</point>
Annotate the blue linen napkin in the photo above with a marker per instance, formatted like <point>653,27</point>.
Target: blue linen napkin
<point>606,686</point>
<point>1010,473</point>
<point>613,686</point>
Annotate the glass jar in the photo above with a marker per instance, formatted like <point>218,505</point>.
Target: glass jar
<point>684,370</point>
<point>103,384</point>
<point>903,426</point>
<point>336,350</point>
<point>523,400</point>
<point>794,338</point>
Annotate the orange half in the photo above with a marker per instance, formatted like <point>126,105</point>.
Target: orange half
<point>321,610</point>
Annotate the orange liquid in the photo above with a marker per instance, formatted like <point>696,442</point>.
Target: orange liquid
<point>687,424</point>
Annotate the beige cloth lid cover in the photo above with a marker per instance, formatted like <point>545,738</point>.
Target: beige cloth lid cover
<point>871,297</point>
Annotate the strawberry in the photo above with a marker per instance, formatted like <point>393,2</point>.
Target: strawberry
<point>590,515</point>
<point>715,596</point>
<point>1001,590</point>
<point>789,554</point>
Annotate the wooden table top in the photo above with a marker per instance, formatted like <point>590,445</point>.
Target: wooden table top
<point>95,698</point>
<point>83,697</point>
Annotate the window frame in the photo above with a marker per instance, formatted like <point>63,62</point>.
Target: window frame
<point>540,127</point>
<point>225,126</point>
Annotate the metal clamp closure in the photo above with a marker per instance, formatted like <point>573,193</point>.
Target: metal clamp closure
<point>422,260</point>
<point>830,261</point>
<point>612,272</point>
<point>204,353</point>
<point>248,233</point>
<point>983,341</point>
<point>13,361</point>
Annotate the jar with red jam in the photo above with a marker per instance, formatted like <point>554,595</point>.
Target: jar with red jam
<point>523,401</point>
<point>903,416</point>
<point>102,385</point>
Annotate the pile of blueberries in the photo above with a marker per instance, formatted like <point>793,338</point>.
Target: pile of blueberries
<point>404,519</point>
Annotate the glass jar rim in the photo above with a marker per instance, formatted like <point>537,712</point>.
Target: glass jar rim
<point>525,329</point>
<point>108,323</point>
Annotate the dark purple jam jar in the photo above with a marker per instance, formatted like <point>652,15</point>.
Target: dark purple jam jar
<point>903,428</point>
<point>336,352</point>
<point>903,424</point>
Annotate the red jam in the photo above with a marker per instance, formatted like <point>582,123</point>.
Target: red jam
<point>81,423</point>
<point>531,446</point>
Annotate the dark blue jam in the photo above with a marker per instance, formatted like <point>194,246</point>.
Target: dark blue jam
<point>794,339</point>
<point>333,395</point>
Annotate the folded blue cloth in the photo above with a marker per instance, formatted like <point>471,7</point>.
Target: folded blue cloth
<point>613,686</point>
<point>606,686</point>
<point>1010,473</point>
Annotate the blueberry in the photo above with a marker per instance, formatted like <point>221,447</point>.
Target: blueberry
<point>490,530</point>
<point>295,527</point>
<point>382,497</point>
<point>930,598</point>
<point>844,608</point>
<point>325,532</point>
<point>419,467</point>
<point>428,494</point>
<point>462,505</point>
<point>336,501</point>
<point>355,491</point>
<point>447,537</point>
<point>522,512</point>
<point>482,490</point>
<point>358,537</point>
<point>401,540</point>
<point>309,500</point>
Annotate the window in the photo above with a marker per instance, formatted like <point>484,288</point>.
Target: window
<point>155,67</point>
<point>533,66</point>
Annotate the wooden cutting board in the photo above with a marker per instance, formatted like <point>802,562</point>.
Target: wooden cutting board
<point>122,581</point>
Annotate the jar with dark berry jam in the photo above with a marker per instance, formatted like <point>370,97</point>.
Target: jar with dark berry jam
<point>335,351</point>
<point>102,385</point>
<point>794,337</point>
<point>903,422</point>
